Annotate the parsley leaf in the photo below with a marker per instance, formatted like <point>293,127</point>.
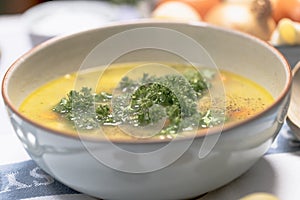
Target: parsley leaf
<point>142,102</point>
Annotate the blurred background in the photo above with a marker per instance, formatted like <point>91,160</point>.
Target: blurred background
<point>275,21</point>
<point>20,6</point>
<point>17,6</point>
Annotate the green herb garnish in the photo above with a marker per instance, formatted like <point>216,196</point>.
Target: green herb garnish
<point>142,102</point>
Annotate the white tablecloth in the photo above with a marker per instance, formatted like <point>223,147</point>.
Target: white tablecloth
<point>13,43</point>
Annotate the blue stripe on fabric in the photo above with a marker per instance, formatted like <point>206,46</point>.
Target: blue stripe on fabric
<point>285,142</point>
<point>27,180</point>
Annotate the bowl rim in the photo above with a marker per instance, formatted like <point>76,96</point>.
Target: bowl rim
<point>146,22</point>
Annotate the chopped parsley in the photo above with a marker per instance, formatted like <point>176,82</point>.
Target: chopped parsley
<point>142,102</point>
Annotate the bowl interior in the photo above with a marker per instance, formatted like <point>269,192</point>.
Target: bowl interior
<point>232,51</point>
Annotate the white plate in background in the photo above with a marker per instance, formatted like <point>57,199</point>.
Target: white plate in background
<point>56,18</point>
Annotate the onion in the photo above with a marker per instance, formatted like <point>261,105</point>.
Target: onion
<point>202,6</point>
<point>260,196</point>
<point>286,9</point>
<point>176,10</point>
<point>287,33</point>
<point>254,18</point>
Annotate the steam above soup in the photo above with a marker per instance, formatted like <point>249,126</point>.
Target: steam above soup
<point>125,101</point>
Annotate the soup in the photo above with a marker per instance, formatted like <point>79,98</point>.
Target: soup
<point>124,103</point>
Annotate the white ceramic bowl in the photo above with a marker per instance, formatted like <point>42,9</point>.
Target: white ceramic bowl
<point>72,160</point>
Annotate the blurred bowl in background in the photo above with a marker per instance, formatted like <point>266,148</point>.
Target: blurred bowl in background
<point>57,18</point>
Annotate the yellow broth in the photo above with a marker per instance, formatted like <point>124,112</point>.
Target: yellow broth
<point>243,97</point>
